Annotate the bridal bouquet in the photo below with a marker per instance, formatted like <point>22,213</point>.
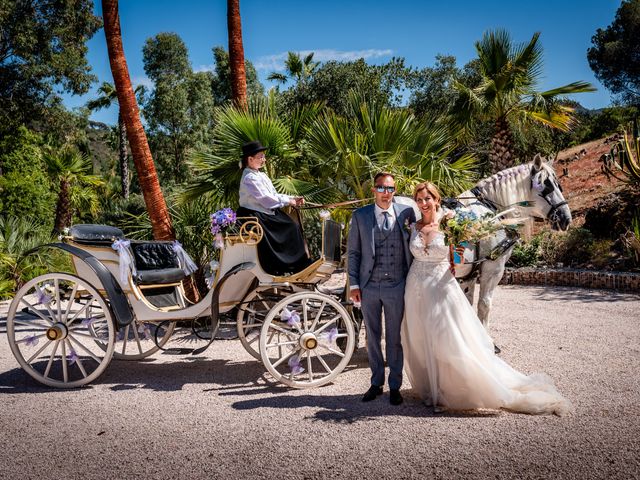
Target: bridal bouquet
<point>463,225</point>
<point>221,222</point>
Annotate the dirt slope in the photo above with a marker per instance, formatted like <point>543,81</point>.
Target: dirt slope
<point>585,183</point>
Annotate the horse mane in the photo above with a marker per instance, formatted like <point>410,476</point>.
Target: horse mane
<point>513,185</point>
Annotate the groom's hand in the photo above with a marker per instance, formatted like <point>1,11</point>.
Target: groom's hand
<point>355,295</point>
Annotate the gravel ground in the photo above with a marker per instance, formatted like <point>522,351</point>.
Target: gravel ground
<point>219,416</point>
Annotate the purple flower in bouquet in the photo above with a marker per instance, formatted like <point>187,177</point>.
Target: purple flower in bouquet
<point>221,221</point>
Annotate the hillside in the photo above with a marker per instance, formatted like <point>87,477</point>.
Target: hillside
<point>585,183</point>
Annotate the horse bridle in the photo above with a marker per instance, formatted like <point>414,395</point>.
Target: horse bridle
<point>548,189</point>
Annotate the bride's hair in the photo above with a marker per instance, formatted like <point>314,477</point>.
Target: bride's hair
<point>431,189</point>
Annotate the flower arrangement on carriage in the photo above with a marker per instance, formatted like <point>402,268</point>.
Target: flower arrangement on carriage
<point>222,223</point>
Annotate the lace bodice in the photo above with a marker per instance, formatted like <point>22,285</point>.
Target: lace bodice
<point>436,251</point>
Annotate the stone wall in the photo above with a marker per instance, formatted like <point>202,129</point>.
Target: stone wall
<point>621,281</point>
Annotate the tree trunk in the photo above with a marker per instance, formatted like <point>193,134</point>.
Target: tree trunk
<point>145,168</point>
<point>501,155</point>
<point>124,161</point>
<point>63,210</point>
<point>236,55</point>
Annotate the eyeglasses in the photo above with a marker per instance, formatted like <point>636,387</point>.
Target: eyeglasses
<point>382,189</point>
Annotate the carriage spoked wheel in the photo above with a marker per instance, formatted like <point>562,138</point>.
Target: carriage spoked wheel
<point>251,314</point>
<point>300,338</point>
<point>60,330</point>
<point>139,340</point>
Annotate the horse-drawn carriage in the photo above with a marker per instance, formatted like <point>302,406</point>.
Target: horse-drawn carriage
<point>72,325</point>
<point>64,329</point>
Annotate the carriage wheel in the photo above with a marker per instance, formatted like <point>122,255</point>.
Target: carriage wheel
<point>251,314</point>
<point>138,339</point>
<point>299,341</point>
<point>60,330</point>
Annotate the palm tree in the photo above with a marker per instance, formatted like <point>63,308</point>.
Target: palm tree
<point>71,171</point>
<point>109,96</point>
<point>236,54</point>
<point>215,172</point>
<point>349,150</point>
<point>145,168</point>
<point>296,67</point>
<point>507,93</point>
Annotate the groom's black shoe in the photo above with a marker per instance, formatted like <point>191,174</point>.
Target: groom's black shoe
<point>372,393</point>
<point>394,397</point>
<point>496,349</point>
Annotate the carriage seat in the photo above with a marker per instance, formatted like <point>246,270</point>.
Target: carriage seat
<point>156,263</point>
<point>89,234</point>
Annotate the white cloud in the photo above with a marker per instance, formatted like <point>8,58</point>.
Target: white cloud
<point>276,62</point>
<point>205,68</point>
<point>142,80</point>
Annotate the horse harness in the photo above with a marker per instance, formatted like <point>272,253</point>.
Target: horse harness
<point>496,252</point>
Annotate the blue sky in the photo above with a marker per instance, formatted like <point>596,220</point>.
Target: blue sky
<point>376,30</point>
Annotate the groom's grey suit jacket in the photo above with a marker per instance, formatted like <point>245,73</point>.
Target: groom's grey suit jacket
<point>361,244</point>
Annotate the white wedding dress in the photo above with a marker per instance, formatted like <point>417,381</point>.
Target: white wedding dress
<point>448,356</point>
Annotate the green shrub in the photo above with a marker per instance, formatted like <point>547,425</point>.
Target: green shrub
<point>631,240</point>
<point>526,254</point>
<point>25,189</point>
<point>601,253</point>
<point>118,212</point>
<point>17,236</point>
<point>571,248</point>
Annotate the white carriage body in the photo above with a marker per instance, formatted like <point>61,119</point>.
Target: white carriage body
<point>237,250</point>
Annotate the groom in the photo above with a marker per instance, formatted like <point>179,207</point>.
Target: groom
<point>379,260</point>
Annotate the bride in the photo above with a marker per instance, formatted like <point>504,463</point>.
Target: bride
<point>449,357</point>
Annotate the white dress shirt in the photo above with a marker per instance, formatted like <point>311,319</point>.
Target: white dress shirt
<point>380,215</point>
<point>258,193</point>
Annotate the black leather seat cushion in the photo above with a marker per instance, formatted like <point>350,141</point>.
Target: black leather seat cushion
<point>156,263</point>
<point>89,234</point>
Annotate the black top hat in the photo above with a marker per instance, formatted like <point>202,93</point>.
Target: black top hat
<point>251,148</point>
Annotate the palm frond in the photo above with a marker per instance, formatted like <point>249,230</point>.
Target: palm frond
<point>571,88</point>
<point>277,77</point>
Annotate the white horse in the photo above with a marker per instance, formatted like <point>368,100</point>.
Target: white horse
<point>528,190</point>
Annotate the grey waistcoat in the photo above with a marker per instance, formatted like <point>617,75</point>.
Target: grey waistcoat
<point>389,266</point>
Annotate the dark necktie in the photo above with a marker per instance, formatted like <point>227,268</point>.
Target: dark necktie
<point>386,225</point>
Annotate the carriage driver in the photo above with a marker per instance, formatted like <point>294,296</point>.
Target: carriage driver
<point>282,249</point>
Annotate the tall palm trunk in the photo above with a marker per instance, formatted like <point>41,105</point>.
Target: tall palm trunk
<point>501,155</point>
<point>236,54</point>
<point>124,163</point>
<point>63,208</point>
<point>145,168</point>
